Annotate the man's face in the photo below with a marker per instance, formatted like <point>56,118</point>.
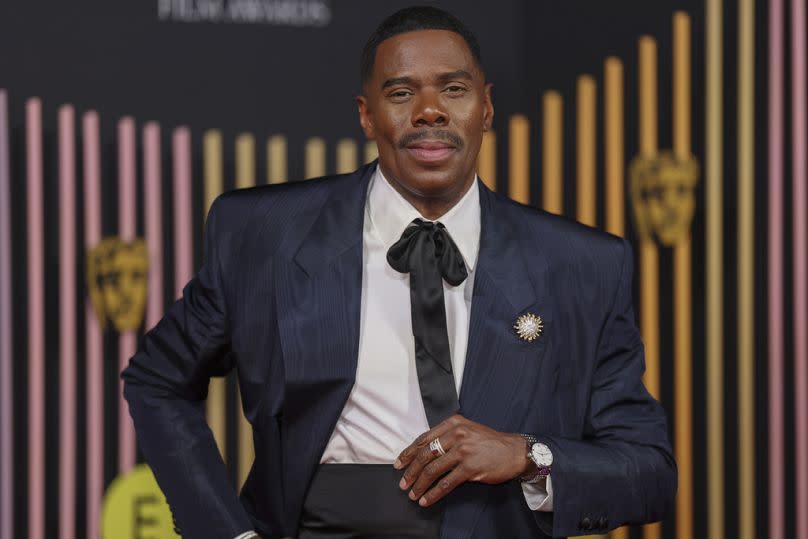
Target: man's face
<point>426,105</point>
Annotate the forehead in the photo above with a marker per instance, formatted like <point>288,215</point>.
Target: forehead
<point>422,52</point>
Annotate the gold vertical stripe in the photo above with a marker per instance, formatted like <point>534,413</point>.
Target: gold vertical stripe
<point>245,161</point>
<point>585,139</point>
<point>214,185</point>
<point>487,160</point>
<point>614,146</point>
<point>649,255</point>
<point>614,155</point>
<point>277,171</point>
<point>681,85</point>
<point>519,157</point>
<point>682,302</point>
<point>245,177</point>
<point>314,160</point>
<point>745,226</point>
<point>553,153</point>
<point>714,250</point>
<point>371,151</point>
<point>648,101</point>
<point>214,179</point>
<point>347,156</point>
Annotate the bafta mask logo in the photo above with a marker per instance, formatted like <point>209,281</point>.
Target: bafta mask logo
<point>116,278</point>
<point>662,196</point>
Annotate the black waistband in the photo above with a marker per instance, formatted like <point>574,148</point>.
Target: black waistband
<point>364,501</point>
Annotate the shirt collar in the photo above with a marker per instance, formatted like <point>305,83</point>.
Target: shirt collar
<point>390,213</point>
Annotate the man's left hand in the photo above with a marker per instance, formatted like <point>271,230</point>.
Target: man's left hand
<point>474,452</point>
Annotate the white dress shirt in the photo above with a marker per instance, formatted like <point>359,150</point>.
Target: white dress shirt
<point>384,412</point>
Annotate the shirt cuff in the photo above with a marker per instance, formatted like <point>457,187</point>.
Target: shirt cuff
<point>246,535</point>
<point>539,495</point>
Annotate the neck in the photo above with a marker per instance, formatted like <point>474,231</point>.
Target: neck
<point>432,207</point>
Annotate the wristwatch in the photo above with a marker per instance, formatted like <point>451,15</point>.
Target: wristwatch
<point>541,456</point>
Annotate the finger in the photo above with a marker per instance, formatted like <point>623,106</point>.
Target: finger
<point>423,457</point>
<point>432,472</point>
<point>406,456</point>
<point>444,486</point>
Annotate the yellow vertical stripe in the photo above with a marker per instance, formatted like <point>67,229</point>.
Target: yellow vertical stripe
<point>553,153</point>
<point>614,146</point>
<point>371,151</point>
<point>682,301</point>
<point>614,155</point>
<point>487,160</point>
<point>585,139</point>
<point>245,161</point>
<point>212,150</point>
<point>347,156</point>
<point>681,85</point>
<point>745,226</point>
<point>649,255</point>
<point>648,101</point>
<point>245,177</point>
<point>214,185</point>
<point>519,159</point>
<point>314,159</point>
<point>714,250</point>
<point>277,171</point>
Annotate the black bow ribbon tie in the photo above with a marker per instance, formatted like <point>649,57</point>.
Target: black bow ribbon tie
<point>427,252</point>
<point>425,241</point>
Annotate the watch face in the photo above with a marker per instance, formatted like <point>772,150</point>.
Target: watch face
<point>541,455</point>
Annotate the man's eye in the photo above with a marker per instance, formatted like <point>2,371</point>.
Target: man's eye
<point>400,93</point>
<point>455,89</point>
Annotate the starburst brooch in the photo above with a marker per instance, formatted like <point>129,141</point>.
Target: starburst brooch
<point>529,327</point>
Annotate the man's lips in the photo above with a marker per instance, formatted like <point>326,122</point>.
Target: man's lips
<point>430,151</point>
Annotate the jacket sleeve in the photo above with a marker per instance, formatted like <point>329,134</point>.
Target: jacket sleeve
<point>623,470</point>
<point>166,384</point>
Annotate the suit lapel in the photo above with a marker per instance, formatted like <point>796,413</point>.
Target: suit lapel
<point>319,296</point>
<point>501,369</point>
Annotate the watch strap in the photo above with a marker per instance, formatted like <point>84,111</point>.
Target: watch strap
<point>541,472</point>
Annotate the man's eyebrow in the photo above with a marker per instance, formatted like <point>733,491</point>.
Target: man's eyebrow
<point>397,80</point>
<point>443,77</point>
<point>459,74</point>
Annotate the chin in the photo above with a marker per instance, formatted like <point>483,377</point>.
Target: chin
<point>433,184</point>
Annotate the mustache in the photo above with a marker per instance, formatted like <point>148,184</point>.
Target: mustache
<point>436,134</point>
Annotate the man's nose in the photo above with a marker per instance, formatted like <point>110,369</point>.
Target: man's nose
<point>429,112</point>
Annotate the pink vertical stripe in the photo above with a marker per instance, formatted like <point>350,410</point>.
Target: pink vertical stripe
<point>94,353</point>
<point>36,322</point>
<point>127,341</point>
<point>183,239</point>
<point>67,324</point>
<point>799,96</point>
<point>153,208</point>
<point>775,271</point>
<point>6,372</point>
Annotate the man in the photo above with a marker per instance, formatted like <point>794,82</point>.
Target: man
<point>418,356</point>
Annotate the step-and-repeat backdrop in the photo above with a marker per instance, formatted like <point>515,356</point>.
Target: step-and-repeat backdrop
<point>680,125</point>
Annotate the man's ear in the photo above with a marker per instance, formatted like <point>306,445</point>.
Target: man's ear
<point>365,119</point>
<point>488,113</point>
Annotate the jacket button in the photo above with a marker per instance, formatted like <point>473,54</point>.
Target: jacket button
<point>586,524</point>
<point>602,522</point>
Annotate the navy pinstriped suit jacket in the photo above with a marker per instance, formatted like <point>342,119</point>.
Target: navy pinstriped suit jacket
<point>278,299</point>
